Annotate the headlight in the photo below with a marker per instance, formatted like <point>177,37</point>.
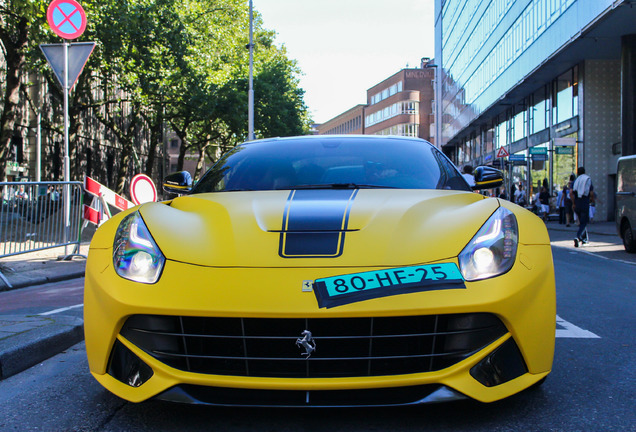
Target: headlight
<point>136,256</point>
<point>493,249</point>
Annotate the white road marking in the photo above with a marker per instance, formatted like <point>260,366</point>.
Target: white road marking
<point>569,330</point>
<point>595,250</point>
<point>61,310</point>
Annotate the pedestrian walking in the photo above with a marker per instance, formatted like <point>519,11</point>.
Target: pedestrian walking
<point>569,211</point>
<point>513,193</point>
<point>560,203</point>
<point>520,196</point>
<point>581,190</point>
<point>544,199</point>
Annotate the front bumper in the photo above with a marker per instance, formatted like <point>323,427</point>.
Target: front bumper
<point>522,301</point>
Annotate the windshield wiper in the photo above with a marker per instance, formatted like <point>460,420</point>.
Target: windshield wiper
<point>342,186</point>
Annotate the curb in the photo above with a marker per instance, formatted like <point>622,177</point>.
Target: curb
<point>39,280</point>
<point>27,349</point>
<point>42,280</point>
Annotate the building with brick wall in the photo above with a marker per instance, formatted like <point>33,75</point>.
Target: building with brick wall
<point>399,105</point>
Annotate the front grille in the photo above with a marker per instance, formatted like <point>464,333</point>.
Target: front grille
<point>345,347</point>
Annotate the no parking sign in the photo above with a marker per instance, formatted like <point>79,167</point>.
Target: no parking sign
<point>66,18</point>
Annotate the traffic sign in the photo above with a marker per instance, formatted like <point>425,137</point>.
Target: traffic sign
<point>142,189</point>
<point>565,150</point>
<point>517,157</point>
<point>538,151</point>
<point>66,18</point>
<point>78,54</point>
<point>502,152</point>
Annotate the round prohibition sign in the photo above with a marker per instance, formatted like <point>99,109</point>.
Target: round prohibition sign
<point>142,189</point>
<point>66,18</point>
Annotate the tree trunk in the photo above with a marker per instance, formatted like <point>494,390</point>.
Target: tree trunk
<point>200,161</point>
<point>155,141</point>
<point>122,172</point>
<point>182,153</point>
<point>15,61</point>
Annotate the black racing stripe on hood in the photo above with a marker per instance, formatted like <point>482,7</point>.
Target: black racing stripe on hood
<point>315,223</point>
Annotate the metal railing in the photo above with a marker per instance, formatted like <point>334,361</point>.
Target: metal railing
<point>37,215</point>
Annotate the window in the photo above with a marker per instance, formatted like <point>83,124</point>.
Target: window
<point>387,92</point>
<point>519,125</point>
<point>404,129</point>
<point>408,107</point>
<point>565,97</point>
<point>500,134</point>
<point>538,111</point>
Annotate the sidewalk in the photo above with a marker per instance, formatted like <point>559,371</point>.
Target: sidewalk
<point>36,268</point>
<point>27,340</point>
<point>597,228</point>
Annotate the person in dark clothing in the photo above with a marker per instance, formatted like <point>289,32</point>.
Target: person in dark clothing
<point>560,203</point>
<point>581,189</point>
<point>569,211</point>
<point>544,199</point>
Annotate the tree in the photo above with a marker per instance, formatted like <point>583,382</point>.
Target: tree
<point>20,30</point>
<point>158,63</point>
<point>279,106</point>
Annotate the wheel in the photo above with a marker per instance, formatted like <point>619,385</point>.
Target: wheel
<point>628,237</point>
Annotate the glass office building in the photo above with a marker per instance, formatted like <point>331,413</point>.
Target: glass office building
<point>549,82</point>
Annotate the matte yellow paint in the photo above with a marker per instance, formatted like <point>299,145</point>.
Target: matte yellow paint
<point>226,263</point>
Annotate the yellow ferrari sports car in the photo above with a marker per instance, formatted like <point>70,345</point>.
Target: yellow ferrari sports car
<point>322,271</point>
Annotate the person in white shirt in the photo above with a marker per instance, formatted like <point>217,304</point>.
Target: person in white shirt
<point>21,194</point>
<point>581,190</point>
<point>520,196</point>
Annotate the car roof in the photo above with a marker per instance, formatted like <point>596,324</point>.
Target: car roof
<point>338,137</point>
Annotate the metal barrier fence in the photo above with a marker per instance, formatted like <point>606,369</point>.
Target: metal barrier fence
<point>35,216</point>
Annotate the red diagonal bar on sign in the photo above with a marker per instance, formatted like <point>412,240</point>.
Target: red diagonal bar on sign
<point>67,18</point>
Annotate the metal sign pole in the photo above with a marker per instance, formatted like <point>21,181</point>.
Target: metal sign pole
<point>250,93</point>
<point>67,160</point>
<point>38,149</point>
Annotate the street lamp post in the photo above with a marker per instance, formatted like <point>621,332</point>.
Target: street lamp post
<point>250,93</point>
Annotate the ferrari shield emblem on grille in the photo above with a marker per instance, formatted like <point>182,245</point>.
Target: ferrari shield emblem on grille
<point>307,342</point>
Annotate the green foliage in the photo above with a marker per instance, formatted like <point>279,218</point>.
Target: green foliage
<point>181,63</point>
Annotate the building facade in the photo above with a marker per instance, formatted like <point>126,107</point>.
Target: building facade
<point>549,82</point>
<point>399,105</point>
<point>349,122</point>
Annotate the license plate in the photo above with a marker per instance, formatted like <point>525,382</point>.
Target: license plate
<point>349,288</point>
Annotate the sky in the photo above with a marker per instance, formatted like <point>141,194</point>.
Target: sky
<point>345,47</point>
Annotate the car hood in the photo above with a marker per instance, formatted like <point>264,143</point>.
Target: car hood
<point>317,228</point>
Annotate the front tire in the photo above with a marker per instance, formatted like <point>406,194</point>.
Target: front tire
<point>628,237</point>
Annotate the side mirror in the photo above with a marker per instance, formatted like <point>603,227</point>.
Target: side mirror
<point>487,178</point>
<point>178,183</point>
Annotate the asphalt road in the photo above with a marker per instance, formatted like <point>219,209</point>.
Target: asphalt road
<point>592,386</point>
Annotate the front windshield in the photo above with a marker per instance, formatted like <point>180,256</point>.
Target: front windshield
<point>332,162</point>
